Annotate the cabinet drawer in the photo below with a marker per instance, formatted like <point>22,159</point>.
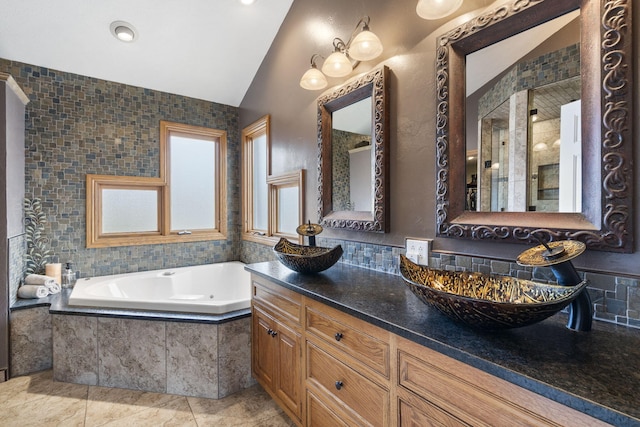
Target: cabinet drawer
<point>319,414</point>
<point>279,300</point>
<point>463,399</point>
<point>345,334</point>
<point>479,399</point>
<point>366,400</point>
<point>416,412</point>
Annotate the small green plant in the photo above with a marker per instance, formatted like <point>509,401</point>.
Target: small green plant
<point>38,252</point>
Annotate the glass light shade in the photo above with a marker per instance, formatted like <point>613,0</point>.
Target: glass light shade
<point>337,65</point>
<point>313,79</point>
<point>540,146</point>
<point>365,46</point>
<point>436,9</point>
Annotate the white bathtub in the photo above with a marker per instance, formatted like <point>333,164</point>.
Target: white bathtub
<point>212,288</point>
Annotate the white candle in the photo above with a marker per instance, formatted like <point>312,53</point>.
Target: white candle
<point>54,271</point>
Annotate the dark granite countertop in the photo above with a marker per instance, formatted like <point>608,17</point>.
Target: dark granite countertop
<point>596,372</point>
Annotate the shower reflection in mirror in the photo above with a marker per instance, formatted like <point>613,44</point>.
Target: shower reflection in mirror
<point>528,127</point>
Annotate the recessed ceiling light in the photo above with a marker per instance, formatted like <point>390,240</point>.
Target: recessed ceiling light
<point>123,31</point>
<point>247,2</point>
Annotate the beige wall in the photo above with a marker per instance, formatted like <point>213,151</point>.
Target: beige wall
<point>410,54</point>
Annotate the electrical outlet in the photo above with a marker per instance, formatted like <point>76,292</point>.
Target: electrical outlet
<point>418,250</point>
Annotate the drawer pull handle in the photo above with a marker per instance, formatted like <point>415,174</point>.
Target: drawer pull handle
<point>338,336</point>
<point>272,332</point>
<point>339,385</point>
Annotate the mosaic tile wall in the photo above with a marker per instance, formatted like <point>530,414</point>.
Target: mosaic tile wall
<point>341,143</point>
<point>255,252</point>
<point>17,250</point>
<point>72,123</point>
<point>551,67</point>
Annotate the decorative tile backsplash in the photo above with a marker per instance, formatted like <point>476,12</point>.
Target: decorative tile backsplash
<point>616,299</point>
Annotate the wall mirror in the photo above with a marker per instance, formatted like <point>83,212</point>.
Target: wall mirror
<point>553,116</point>
<point>353,158</point>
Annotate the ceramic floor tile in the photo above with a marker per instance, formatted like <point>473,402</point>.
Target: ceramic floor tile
<point>29,390</point>
<point>107,404</point>
<point>42,402</point>
<point>175,412</point>
<point>39,401</point>
<point>250,407</point>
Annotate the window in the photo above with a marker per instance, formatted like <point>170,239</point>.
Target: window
<point>256,151</point>
<point>186,203</point>
<point>271,204</point>
<point>286,193</point>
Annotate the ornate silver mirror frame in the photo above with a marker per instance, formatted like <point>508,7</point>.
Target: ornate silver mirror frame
<point>373,84</point>
<point>605,222</point>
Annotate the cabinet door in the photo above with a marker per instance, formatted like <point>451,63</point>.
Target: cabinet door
<point>264,348</point>
<point>289,384</point>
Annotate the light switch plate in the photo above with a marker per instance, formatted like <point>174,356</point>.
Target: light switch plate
<point>418,250</point>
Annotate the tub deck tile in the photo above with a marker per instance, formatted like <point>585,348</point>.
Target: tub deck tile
<point>75,349</point>
<point>192,359</point>
<point>131,354</point>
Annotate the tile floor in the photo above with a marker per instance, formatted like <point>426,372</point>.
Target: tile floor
<point>38,400</point>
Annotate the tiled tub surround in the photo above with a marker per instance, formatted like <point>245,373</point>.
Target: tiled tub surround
<point>178,353</point>
<point>594,372</point>
<point>31,339</point>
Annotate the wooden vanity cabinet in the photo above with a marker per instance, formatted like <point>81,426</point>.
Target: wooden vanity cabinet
<point>327,368</point>
<point>434,389</point>
<point>276,359</point>
<point>347,368</point>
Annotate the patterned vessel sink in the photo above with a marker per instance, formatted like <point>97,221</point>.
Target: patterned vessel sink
<point>306,259</point>
<point>487,301</point>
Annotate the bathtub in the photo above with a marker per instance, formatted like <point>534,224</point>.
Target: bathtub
<point>212,289</point>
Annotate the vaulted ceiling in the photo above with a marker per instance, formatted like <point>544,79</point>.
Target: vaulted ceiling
<point>205,49</point>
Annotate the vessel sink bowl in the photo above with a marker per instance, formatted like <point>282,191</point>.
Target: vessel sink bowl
<point>487,301</point>
<point>306,259</point>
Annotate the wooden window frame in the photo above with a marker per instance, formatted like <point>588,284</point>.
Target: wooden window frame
<point>219,137</point>
<point>95,184</point>
<point>258,128</point>
<point>276,182</point>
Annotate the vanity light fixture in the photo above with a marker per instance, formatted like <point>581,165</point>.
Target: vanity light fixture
<point>123,31</point>
<point>436,9</point>
<point>313,79</point>
<point>534,114</point>
<point>337,64</point>
<point>363,45</point>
